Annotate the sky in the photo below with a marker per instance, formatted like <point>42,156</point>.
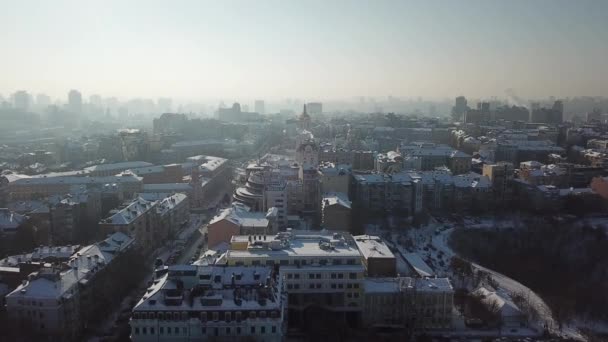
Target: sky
<point>327,49</point>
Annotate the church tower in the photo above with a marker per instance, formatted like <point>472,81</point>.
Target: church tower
<point>304,120</point>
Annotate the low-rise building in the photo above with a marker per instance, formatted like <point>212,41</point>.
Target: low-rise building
<point>238,220</point>
<point>409,303</point>
<point>378,259</point>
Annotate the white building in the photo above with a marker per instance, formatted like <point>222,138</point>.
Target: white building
<point>194,303</point>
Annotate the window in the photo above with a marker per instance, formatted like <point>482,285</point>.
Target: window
<point>216,316</point>
<point>296,286</point>
<point>311,286</point>
<point>340,276</point>
<point>318,285</point>
<point>184,331</point>
<point>144,330</point>
<point>151,331</point>
<point>203,330</point>
<point>227,317</point>
<point>269,262</point>
<point>356,285</point>
<point>161,330</point>
<point>296,276</point>
<point>238,315</point>
<point>318,276</point>
<point>289,276</point>
<point>168,330</point>
<point>262,314</point>
<point>238,330</point>
<point>333,276</point>
<point>352,276</point>
<point>204,316</point>
<point>253,330</point>
<point>252,314</point>
<point>333,286</point>
<point>262,329</point>
<point>255,262</point>
<point>176,330</point>
<point>284,262</point>
<point>340,286</point>
<point>311,276</point>
<point>349,286</point>
<point>289,286</point>
<point>323,262</point>
<point>350,261</point>
<point>228,331</point>
<point>274,329</point>
<point>216,331</point>
<point>136,331</point>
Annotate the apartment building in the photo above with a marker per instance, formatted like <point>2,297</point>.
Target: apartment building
<point>218,303</point>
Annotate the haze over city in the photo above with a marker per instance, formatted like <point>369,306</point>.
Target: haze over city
<point>290,171</point>
<point>198,50</point>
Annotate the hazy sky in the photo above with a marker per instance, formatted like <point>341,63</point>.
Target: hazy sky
<point>308,49</point>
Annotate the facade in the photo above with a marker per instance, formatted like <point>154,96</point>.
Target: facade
<point>238,220</point>
<point>56,301</point>
<point>217,303</point>
<point>335,177</point>
<point>432,156</point>
<point>378,259</point>
<point>73,218</point>
<point>140,220</point>
<point>336,212</point>
<point>322,273</point>
<point>501,177</point>
<point>413,304</point>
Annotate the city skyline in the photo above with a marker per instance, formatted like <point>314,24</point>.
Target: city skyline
<point>314,51</point>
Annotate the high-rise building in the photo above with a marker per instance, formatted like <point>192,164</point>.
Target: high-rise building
<point>259,106</point>
<point>460,108</point>
<point>164,104</point>
<point>75,101</point>
<point>42,101</point>
<point>315,108</point>
<point>21,100</point>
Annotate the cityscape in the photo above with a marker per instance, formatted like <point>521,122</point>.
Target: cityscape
<point>255,212</point>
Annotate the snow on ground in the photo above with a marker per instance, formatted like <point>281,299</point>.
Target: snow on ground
<point>431,243</point>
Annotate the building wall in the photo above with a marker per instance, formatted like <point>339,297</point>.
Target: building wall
<point>336,217</point>
<point>221,231</point>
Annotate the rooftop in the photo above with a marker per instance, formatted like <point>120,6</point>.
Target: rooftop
<point>118,166</point>
<point>292,244</point>
<point>213,288</point>
<point>373,247</point>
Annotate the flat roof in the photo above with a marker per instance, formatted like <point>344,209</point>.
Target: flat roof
<point>373,247</point>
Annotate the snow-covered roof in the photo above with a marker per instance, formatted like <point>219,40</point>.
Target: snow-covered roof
<point>419,266</point>
<point>503,301</point>
<point>241,217</point>
<point>58,282</point>
<point>399,284</point>
<point>373,247</point>
<point>10,220</point>
<point>336,198</point>
<point>118,166</point>
<point>218,293</point>
<point>167,187</point>
<point>125,216</point>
